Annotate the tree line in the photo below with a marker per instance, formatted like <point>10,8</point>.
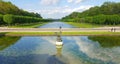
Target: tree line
<point>12,15</point>
<point>9,8</point>
<point>108,13</point>
<point>15,19</point>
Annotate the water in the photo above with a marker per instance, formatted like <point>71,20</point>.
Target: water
<point>56,25</point>
<point>42,50</point>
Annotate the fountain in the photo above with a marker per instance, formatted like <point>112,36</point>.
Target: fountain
<point>59,43</point>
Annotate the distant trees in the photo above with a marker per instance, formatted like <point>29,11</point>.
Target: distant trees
<point>26,19</point>
<point>108,13</point>
<point>12,15</point>
<point>9,8</point>
<point>15,19</point>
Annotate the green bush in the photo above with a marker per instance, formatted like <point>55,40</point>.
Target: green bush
<point>88,19</point>
<point>8,18</point>
<point>112,19</point>
<point>14,19</point>
<point>98,19</point>
<point>106,19</point>
<point>26,19</point>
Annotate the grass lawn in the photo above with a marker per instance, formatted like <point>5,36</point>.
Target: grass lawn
<point>87,25</point>
<point>83,25</point>
<point>63,33</point>
<point>32,25</point>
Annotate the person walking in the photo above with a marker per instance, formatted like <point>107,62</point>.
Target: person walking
<point>111,29</point>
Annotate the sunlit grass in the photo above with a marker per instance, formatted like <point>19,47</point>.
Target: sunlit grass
<point>30,33</point>
<point>32,25</point>
<point>88,25</point>
<point>83,25</point>
<point>63,33</point>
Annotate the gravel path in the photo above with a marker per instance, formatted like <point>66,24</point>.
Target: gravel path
<point>101,29</point>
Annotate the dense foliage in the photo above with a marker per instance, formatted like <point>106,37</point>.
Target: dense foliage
<point>8,19</point>
<point>15,19</point>
<point>12,15</point>
<point>108,13</point>
<point>9,8</point>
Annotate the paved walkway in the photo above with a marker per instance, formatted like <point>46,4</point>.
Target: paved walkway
<point>109,29</point>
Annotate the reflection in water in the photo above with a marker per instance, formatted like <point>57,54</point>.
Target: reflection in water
<point>59,50</point>
<point>58,58</point>
<point>6,41</point>
<point>106,41</point>
<point>43,50</point>
<point>59,43</point>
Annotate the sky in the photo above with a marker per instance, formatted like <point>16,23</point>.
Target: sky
<point>57,9</point>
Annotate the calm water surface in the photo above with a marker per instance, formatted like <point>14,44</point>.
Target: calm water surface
<point>42,50</point>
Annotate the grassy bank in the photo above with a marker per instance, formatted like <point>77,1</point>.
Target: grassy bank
<point>87,25</point>
<point>29,25</point>
<point>83,25</point>
<point>63,33</point>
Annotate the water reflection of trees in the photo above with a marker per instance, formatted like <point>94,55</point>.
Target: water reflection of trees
<point>106,41</point>
<point>6,41</point>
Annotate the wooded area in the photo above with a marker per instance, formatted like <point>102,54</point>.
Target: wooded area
<point>107,14</point>
<point>9,8</point>
<point>11,15</point>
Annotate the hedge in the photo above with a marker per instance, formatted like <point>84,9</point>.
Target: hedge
<point>98,19</point>
<point>14,19</point>
<point>8,18</point>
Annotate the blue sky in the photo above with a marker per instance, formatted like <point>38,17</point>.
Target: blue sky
<point>57,8</point>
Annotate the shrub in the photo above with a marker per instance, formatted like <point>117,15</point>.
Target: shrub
<point>8,18</point>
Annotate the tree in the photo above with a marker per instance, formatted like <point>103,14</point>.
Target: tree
<point>108,13</point>
<point>9,8</point>
<point>8,19</point>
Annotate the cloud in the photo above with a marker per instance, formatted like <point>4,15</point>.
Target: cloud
<point>78,1</point>
<point>59,12</point>
<point>69,1</point>
<point>54,2</point>
<point>49,2</point>
<point>74,1</point>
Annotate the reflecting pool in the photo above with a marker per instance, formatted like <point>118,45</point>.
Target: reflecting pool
<point>76,49</point>
<point>42,50</point>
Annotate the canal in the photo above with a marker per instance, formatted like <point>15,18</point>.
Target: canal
<point>76,49</point>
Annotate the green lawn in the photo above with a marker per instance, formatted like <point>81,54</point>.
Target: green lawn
<point>88,25</point>
<point>83,25</point>
<point>63,33</point>
<point>32,25</point>
<point>91,33</point>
